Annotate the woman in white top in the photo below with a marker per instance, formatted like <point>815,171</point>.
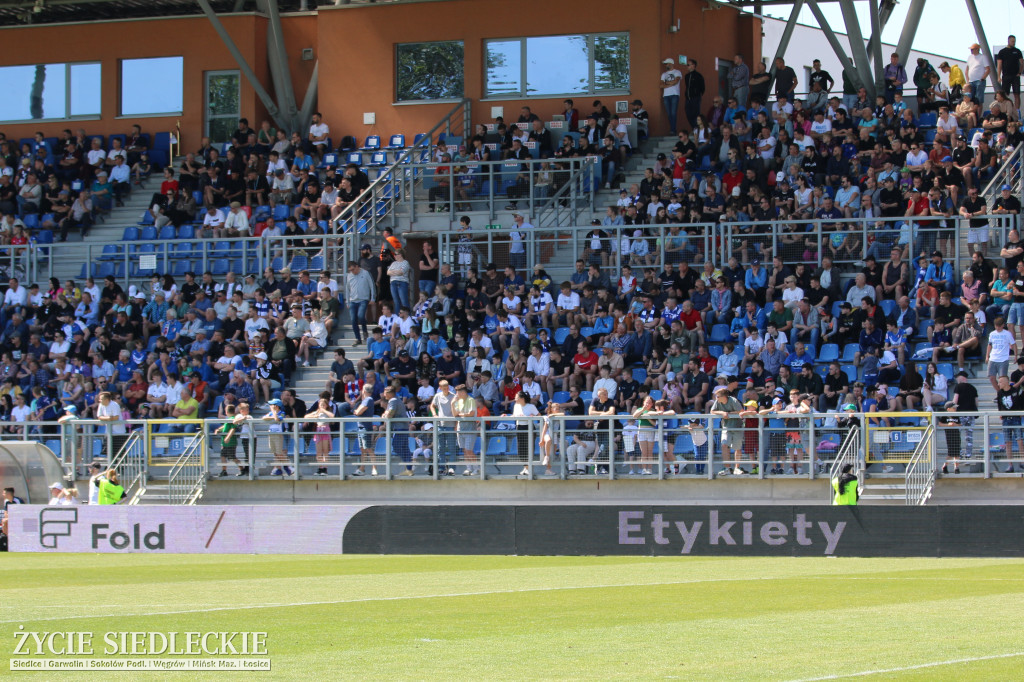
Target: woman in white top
<point>315,337</point>
<point>399,272</point>
<point>523,410</point>
<point>935,387</point>
<point>547,438</point>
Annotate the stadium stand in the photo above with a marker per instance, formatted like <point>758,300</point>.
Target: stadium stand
<point>803,261</point>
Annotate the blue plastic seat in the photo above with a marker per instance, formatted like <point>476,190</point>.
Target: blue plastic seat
<point>851,372</point>
<point>379,159</point>
<point>849,352</point>
<point>167,233</point>
<point>372,143</point>
<point>148,234</point>
<point>396,142</point>
<point>719,334</point>
<point>187,231</point>
<point>354,157</point>
<point>829,352</point>
<point>130,234</point>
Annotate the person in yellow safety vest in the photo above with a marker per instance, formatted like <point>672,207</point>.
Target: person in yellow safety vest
<point>110,492</point>
<point>845,487</point>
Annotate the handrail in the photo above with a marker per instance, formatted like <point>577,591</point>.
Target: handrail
<point>1006,175</point>
<point>131,467</point>
<point>920,474</point>
<point>187,479</point>
<point>849,453</point>
<point>554,202</point>
<point>352,212</point>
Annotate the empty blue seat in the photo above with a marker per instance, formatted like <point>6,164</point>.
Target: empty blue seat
<point>181,267</point>
<point>130,234</point>
<point>396,142</point>
<point>148,233</point>
<point>851,372</point>
<point>219,266</point>
<point>719,333</point>
<point>849,352</point>
<point>280,212</point>
<point>31,221</point>
<point>187,232</point>
<point>111,252</point>
<point>329,159</point>
<point>829,352</point>
<point>167,233</point>
<point>372,143</point>
<point>354,157</point>
<point>379,159</point>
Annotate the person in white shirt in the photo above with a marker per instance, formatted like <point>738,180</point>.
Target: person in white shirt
<point>15,299</point>
<point>213,222</point>
<point>318,132</point>
<point>820,125</point>
<point>1000,344</point>
<point>236,224</point>
<point>120,178</point>
<point>567,305</point>
<point>282,188</point>
<point>477,339</point>
<point>254,325</point>
<point>156,396</point>
<point>978,69</point>
<point>946,127</point>
<point>538,363</point>
<point>618,130</point>
<point>324,281</point>
<point>21,412</point>
<point>670,80</point>
<point>96,156</point>
<point>792,294</point>
<point>173,390</point>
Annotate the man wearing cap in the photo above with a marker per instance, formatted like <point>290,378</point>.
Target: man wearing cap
<point>978,70</point>
<point>236,224</point>
<point>670,82</point>
<point>1006,203</point>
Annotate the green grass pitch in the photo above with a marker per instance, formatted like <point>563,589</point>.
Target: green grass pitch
<point>516,618</point>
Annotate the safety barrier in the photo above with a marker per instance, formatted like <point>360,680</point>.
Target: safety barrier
<point>564,446</point>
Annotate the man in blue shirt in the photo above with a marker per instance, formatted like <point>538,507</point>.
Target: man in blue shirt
<point>939,274</point>
<point>799,357</point>
<point>756,279</point>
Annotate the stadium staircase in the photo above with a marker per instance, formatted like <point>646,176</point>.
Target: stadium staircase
<point>108,230</point>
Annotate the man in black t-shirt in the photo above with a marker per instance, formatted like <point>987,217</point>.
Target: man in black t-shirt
<point>1010,398</point>
<point>975,209</point>
<point>1006,203</point>
<point>965,396</point>
<point>1009,65</point>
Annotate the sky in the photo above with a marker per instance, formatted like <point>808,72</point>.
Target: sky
<point>945,27</point>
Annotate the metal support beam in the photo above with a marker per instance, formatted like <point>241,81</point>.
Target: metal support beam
<point>787,34</point>
<point>875,51</point>
<point>909,32</point>
<point>833,40</point>
<point>309,101</point>
<point>277,56</point>
<point>239,6</point>
<point>986,47</point>
<point>857,49</point>
<point>243,65</point>
<point>884,12</point>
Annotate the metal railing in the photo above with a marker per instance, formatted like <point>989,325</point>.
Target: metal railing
<point>531,186</point>
<point>1009,173</point>
<point>920,474</point>
<point>130,463</point>
<point>849,453</point>
<point>124,259</point>
<point>683,445</point>
<point>375,206</point>
<point>187,479</point>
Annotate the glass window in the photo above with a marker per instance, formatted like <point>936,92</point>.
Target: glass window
<point>428,71</point>
<point>152,86</point>
<point>49,91</point>
<point>557,65</point>
<point>504,67</point>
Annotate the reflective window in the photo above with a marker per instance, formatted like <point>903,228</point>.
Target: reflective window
<point>152,86</point>
<point>49,91</point>
<point>557,65</point>
<point>504,67</point>
<point>429,71</point>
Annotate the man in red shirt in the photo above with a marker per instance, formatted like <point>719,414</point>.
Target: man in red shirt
<point>693,327</point>
<point>707,364</point>
<point>585,366</point>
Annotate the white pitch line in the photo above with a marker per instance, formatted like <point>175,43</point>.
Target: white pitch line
<point>920,666</point>
<point>484,592</point>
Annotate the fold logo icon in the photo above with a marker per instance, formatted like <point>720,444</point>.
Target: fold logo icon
<point>56,523</point>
